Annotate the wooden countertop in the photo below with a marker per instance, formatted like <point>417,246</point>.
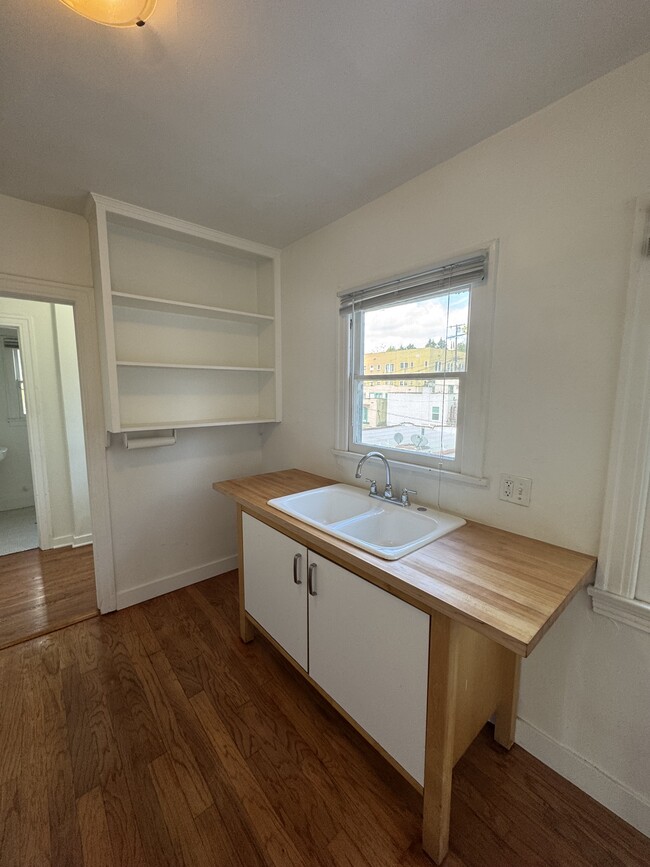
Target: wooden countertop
<point>508,587</point>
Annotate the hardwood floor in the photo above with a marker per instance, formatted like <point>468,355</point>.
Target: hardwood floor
<point>41,591</point>
<point>153,736</point>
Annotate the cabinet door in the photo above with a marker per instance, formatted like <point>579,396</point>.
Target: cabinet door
<point>369,651</point>
<point>271,594</point>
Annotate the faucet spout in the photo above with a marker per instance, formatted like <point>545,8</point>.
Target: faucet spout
<point>388,490</point>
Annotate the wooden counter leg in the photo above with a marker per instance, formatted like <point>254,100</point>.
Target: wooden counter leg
<point>441,711</point>
<point>506,713</point>
<point>246,631</point>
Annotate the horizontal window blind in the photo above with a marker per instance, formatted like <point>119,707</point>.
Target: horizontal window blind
<point>400,290</point>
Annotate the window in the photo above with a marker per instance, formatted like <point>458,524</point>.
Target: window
<point>14,380</point>
<point>447,312</point>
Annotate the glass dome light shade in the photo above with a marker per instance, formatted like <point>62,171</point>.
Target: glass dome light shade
<point>114,13</point>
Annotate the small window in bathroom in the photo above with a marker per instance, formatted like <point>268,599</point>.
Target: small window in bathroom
<point>14,380</point>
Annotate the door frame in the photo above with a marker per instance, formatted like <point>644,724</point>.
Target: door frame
<point>81,298</point>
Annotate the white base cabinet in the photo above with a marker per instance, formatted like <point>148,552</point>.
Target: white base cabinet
<point>276,586</point>
<point>368,650</point>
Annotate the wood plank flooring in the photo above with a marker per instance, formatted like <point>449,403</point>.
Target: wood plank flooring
<point>153,736</point>
<point>41,591</point>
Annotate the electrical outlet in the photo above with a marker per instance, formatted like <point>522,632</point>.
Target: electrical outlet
<point>515,489</point>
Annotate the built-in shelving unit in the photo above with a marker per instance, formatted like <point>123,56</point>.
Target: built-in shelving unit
<point>188,321</point>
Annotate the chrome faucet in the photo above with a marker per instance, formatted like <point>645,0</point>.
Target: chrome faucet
<point>388,490</point>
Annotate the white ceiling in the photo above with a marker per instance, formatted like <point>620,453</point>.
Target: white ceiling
<point>270,118</point>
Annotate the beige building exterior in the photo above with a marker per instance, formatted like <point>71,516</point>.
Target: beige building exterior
<point>426,360</point>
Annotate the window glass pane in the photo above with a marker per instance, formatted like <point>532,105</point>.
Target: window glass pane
<point>412,419</point>
<point>414,415</point>
<point>18,365</point>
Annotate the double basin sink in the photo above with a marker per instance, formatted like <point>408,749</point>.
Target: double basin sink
<point>386,529</point>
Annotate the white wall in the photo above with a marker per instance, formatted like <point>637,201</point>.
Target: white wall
<point>16,488</point>
<point>169,527</point>
<point>556,190</point>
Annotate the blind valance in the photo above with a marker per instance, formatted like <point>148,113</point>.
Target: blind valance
<point>409,287</point>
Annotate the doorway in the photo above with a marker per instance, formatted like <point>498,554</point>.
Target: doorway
<point>81,299</point>
<point>47,577</point>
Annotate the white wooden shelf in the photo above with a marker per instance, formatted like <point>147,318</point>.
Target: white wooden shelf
<point>182,308</point>
<point>188,321</point>
<point>210,422</point>
<point>173,366</point>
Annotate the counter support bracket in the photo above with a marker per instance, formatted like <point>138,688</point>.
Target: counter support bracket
<point>471,678</point>
<point>441,719</point>
<point>246,630</point>
<point>506,714</point>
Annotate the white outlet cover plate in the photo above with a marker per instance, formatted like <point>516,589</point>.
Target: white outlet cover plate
<point>515,489</point>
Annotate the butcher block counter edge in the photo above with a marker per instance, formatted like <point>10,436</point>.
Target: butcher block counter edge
<point>509,588</point>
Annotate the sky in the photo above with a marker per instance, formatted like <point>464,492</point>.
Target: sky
<point>415,322</point>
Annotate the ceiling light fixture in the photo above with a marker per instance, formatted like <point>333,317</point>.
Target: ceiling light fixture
<point>114,13</point>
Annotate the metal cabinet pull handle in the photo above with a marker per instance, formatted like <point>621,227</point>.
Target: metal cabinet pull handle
<point>311,584</point>
<point>296,569</point>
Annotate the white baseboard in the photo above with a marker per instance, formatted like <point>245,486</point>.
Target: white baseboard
<point>631,806</point>
<point>67,541</point>
<point>174,582</point>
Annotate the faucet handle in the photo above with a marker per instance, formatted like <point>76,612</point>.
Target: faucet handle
<point>405,496</point>
<point>373,486</point>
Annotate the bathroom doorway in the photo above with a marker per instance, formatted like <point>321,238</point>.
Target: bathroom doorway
<point>46,560</point>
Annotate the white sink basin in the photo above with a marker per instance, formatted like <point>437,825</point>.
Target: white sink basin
<point>3,452</point>
<point>323,506</point>
<point>388,530</point>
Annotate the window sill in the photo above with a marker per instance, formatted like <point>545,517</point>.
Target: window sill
<point>446,475</point>
<point>632,612</point>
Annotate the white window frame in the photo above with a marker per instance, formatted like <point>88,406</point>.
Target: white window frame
<point>627,496</point>
<point>474,405</point>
